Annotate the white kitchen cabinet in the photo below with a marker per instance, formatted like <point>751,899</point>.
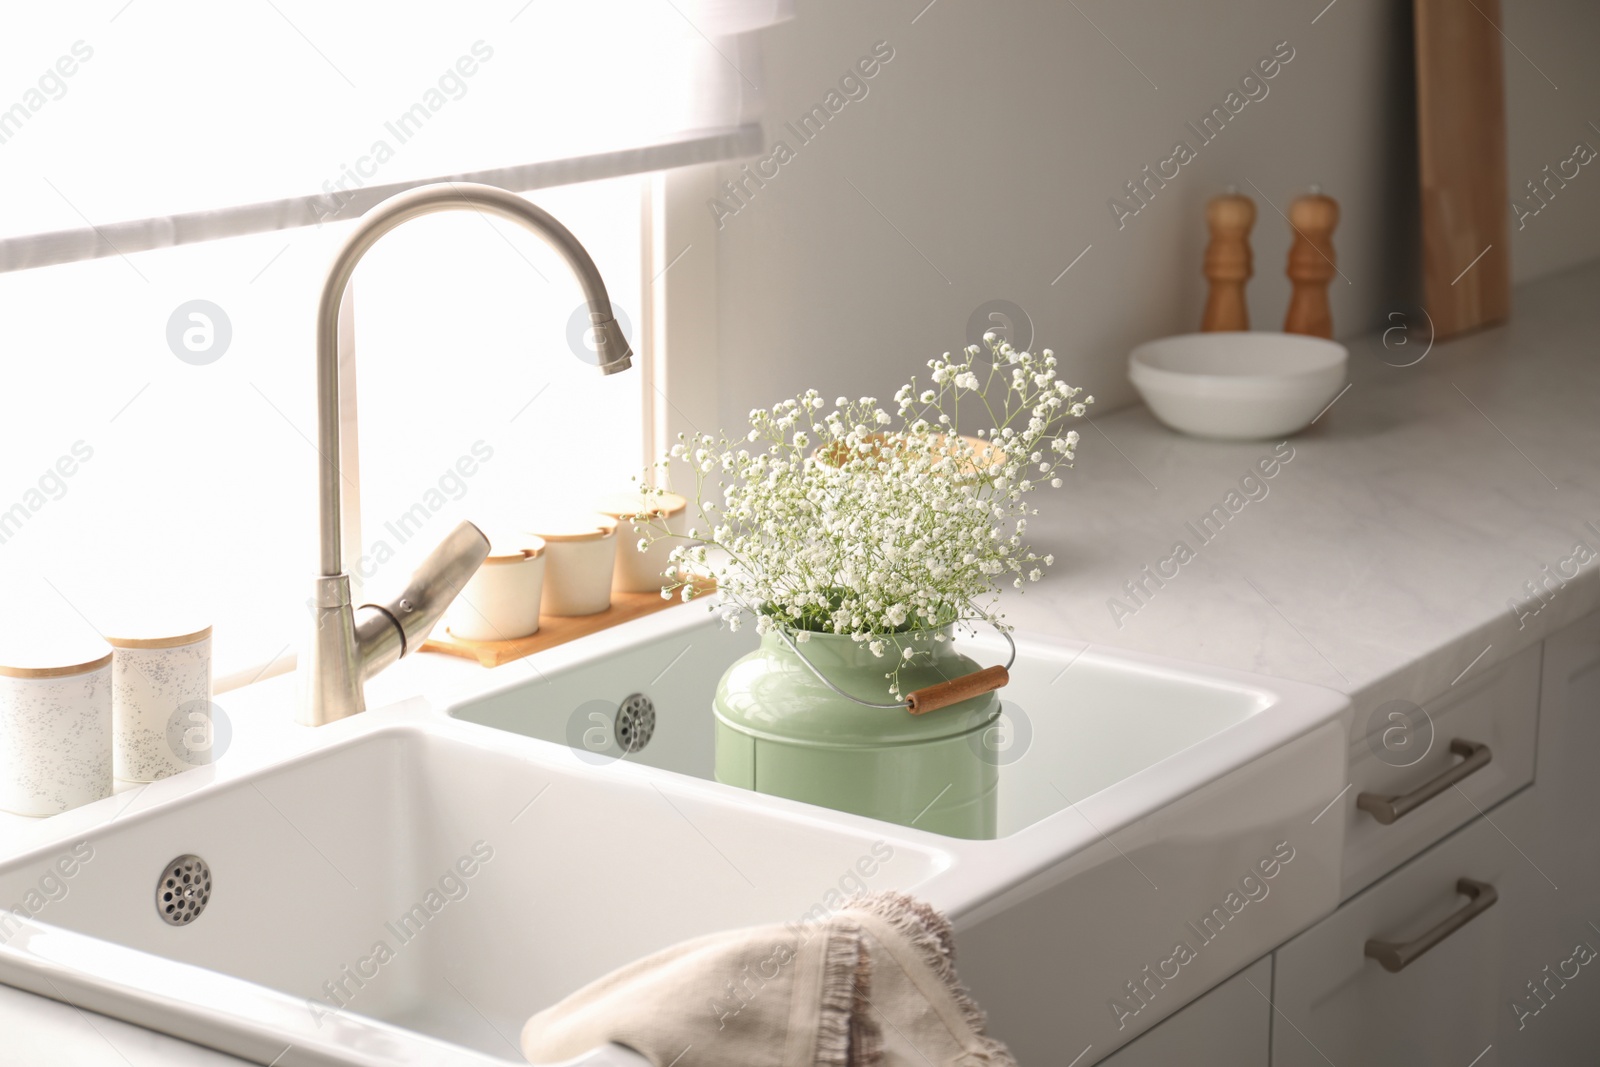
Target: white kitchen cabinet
<point>1566,1030</point>
<point>1568,770</point>
<point>1228,1027</point>
<point>1452,1006</point>
<point>1498,707</point>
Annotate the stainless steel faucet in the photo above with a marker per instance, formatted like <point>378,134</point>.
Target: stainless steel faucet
<point>351,644</point>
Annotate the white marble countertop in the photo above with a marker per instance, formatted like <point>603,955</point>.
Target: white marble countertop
<point>1385,556</point>
<point>1379,559</point>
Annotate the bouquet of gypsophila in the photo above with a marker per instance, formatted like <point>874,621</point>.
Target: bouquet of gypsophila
<point>862,523</point>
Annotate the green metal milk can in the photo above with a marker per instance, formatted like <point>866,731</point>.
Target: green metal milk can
<point>803,731</point>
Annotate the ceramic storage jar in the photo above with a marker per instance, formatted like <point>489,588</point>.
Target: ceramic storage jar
<point>644,572</point>
<point>501,601</point>
<point>55,728</point>
<point>580,554</point>
<point>161,700</point>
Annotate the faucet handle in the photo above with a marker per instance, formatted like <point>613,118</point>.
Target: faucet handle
<point>412,613</point>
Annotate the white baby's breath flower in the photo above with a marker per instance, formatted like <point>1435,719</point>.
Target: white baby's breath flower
<point>899,522</point>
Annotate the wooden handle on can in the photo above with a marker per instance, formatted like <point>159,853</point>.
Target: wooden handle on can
<point>933,697</point>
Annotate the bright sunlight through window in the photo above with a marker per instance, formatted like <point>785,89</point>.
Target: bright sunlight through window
<point>127,468</point>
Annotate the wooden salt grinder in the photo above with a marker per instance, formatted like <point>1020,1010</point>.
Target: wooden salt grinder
<point>1311,264</point>
<point>1228,263</point>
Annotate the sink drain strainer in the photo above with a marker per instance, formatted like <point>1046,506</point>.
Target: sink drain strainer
<point>184,890</point>
<point>636,723</point>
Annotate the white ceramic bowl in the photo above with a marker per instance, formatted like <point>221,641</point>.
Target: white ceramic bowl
<point>1238,386</point>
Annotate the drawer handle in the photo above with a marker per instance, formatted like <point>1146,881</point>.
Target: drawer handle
<point>1398,955</point>
<point>1387,809</point>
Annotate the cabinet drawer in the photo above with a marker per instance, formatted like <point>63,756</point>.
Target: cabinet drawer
<point>1448,1006</point>
<point>1231,1026</point>
<point>1396,757</point>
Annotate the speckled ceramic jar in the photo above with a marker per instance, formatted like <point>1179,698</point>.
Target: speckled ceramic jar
<point>161,704</point>
<point>55,736</point>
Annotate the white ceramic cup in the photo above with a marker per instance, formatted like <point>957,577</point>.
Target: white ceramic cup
<point>160,694</point>
<point>580,554</point>
<point>55,734</point>
<point>502,600</point>
<point>645,572</point>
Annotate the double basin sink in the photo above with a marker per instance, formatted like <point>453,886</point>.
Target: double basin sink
<point>409,885</point>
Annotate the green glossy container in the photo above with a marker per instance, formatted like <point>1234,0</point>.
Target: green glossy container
<point>780,730</point>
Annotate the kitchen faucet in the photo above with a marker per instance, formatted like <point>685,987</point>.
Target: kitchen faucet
<point>351,644</point>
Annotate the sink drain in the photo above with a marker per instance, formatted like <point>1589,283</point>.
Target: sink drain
<point>636,723</point>
<point>184,890</point>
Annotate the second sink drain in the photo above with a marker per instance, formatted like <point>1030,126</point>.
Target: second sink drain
<point>635,723</point>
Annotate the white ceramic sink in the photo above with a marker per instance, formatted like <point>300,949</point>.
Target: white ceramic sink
<point>1147,789</point>
<point>1135,794</point>
<point>1074,723</point>
<point>434,878</point>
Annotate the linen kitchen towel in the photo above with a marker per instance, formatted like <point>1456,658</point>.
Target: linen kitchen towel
<point>873,985</point>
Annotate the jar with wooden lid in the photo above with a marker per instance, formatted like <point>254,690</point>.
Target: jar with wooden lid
<point>161,699</point>
<point>645,571</point>
<point>580,554</point>
<point>55,727</point>
<point>501,601</point>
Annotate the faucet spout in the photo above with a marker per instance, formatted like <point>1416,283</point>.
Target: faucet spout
<point>349,644</point>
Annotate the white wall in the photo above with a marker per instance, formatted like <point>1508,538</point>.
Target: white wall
<point>981,160</point>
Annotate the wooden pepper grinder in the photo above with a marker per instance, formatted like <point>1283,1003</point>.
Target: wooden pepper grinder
<point>1228,263</point>
<point>1311,264</point>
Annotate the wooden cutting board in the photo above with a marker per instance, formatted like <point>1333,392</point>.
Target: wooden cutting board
<point>1461,130</point>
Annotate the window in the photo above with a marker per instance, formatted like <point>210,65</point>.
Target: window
<point>129,474</point>
<point>176,178</point>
